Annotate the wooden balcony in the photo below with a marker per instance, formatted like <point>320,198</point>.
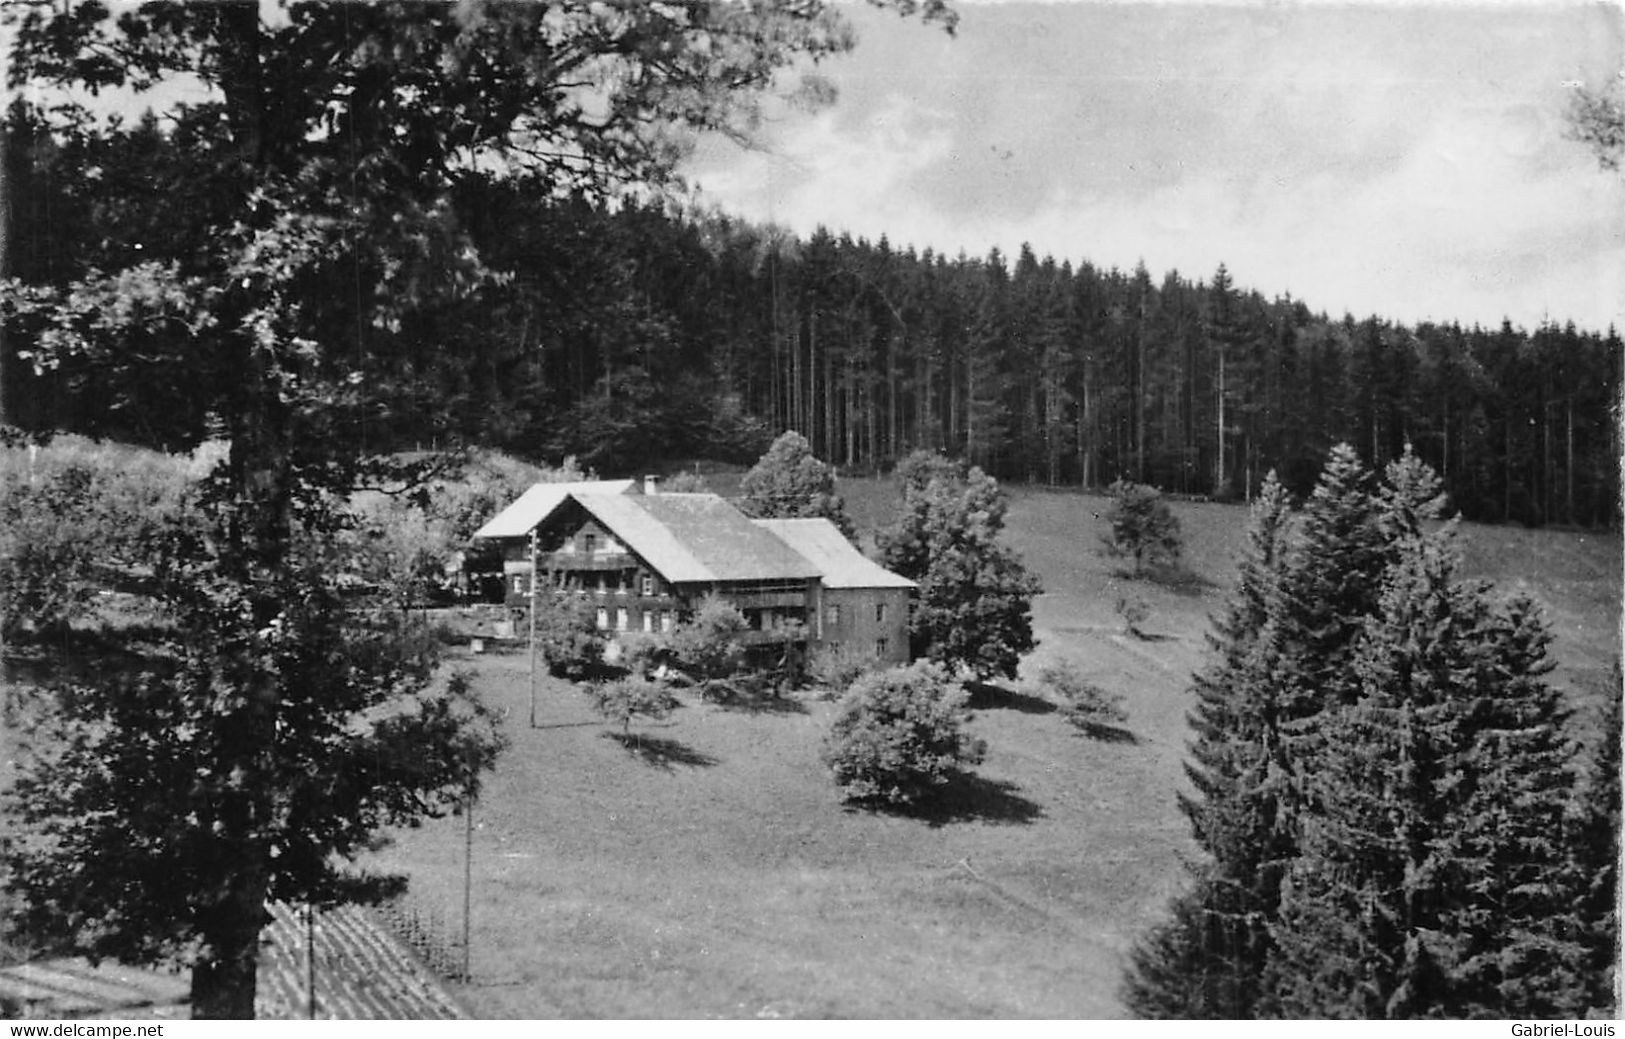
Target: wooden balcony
<point>753,637</point>
<point>582,561</point>
<point>762,600</point>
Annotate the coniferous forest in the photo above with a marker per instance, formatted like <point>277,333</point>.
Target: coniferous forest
<point>628,332</point>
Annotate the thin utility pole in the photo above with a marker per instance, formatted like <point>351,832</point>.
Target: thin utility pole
<point>1219,486</point>
<point>533,629</point>
<point>468,870</point>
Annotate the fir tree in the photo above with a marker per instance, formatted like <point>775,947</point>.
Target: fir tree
<point>1331,585</point>
<point>1238,769</point>
<point>1431,877</point>
<point>1596,846</point>
<point>1381,780</point>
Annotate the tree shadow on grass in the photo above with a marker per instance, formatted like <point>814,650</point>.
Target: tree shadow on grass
<point>1180,579</point>
<point>985,696</point>
<point>660,752</point>
<point>966,798</point>
<point>760,703</point>
<point>1106,733</point>
<point>1140,635</point>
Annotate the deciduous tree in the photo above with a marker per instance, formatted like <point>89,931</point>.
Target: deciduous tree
<point>325,144</point>
<point>1141,526</point>
<point>898,735</point>
<point>789,481</point>
<point>159,794</point>
<point>635,695</point>
<point>975,600</point>
<point>1597,119</point>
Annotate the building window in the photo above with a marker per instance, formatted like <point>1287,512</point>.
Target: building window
<point>648,620</point>
<point>832,615</point>
<point>620,618</point>
<point>518,585</point>
<point>589,543</point>
<point>648,585</point>
<point>668,620</point>
<point>603,618</point>
<point>880,613</point>
<point>881,646</point>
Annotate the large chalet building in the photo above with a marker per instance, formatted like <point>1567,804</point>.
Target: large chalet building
<point>644,559</point>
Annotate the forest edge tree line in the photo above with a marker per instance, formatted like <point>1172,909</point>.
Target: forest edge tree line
<point>626,330</point>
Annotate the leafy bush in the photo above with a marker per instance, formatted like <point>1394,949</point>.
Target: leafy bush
<point>406,540</point>
<point>708,647</point>
<point>567,635</point>
<point>645,654</point>
<point>77,519</point>
<point>399,551</point>
<point>836,666</point>
<point>898,735</point>
<point>1134,612</point>
<point>485,484</point>
<point>621,700</point>
<point>1142,526</point>
<point>1084,704</point>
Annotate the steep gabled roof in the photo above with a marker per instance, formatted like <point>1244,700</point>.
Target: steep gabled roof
<point>696,537</point>
<point>839,562</point>
<point>536,504</point>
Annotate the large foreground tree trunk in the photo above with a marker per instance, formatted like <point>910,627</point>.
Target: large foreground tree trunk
<point>225,976</point>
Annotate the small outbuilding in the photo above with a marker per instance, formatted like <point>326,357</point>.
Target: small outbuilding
<point>858,602</point>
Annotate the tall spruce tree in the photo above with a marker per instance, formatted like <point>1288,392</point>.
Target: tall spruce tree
<point>1381,781</point>
<point>1596,847</point>
<point>1332,584</point>
<point>1432,876</point>
<point>1238,766</point>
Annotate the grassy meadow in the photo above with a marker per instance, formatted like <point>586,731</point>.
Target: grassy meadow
<point>717,874</point>
<point>713,871</point>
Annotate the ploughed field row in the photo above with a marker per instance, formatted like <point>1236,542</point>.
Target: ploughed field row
<point>361,972</point>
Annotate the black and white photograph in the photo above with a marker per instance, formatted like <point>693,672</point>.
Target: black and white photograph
<point>811,510</point>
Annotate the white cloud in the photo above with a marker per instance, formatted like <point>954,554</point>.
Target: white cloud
<point>1414,166</point>
<point>824,173</point>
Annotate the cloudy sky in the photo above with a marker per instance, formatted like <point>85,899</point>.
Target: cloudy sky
<point>1397,159</point>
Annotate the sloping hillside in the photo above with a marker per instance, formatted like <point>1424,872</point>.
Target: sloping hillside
<point>718,875</point>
